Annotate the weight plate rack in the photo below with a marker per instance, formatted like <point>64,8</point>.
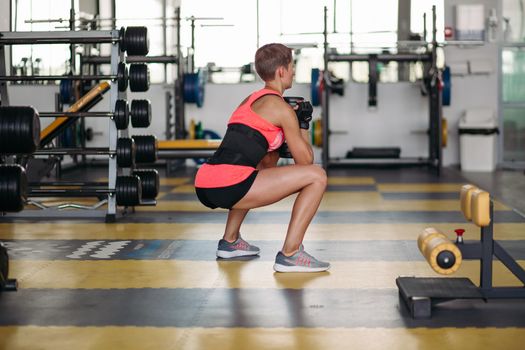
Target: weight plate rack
<point>125,186</point>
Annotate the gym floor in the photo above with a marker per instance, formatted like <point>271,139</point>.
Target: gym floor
<point>151,280</point>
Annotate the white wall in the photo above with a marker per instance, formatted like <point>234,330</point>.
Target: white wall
<point>401,112</point>
<point>41,97</point>
<point>89,6</point>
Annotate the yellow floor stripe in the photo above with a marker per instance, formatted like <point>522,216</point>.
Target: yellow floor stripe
<point>176,181</point>
<point>228,274</point>
<point>421,187</point>
<point>188,188</point>
<point>350,180</point>
<point>146,338</point>
<point>199,231</point>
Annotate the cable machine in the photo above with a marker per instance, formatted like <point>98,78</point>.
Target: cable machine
<point>433,85</point>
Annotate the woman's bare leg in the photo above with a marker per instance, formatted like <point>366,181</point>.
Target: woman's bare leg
<point>236,216</point>
<point>274,184</point>
<point>233,224</point>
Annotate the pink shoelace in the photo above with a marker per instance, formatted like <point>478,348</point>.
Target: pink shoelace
<point>242,245</point>
<point>303,260</point>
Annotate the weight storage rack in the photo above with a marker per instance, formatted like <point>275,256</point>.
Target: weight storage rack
<point>120,42</point>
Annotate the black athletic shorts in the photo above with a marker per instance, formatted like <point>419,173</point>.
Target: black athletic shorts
<point>225,197</point>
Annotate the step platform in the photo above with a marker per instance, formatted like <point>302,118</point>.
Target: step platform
<point>421,293</point>
<point>374,152</point>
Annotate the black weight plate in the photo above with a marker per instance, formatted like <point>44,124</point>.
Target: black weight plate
<point>13,188</point>
<point>15,133</point>
<point>146,146</point>
<point>139,77</point>
<point>122,38</point>
<point>23,135</point>
<point>122,77</point>
<point>19,130</point>
<point>128,191</point>
<point>137,41</point>
<point>126,149</point>
<point>149,179</point>
<point>140,113</point>
<point>121,116</point>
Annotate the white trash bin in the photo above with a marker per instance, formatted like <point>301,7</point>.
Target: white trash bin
<point>478,131</point>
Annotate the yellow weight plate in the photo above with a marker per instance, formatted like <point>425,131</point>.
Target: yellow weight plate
<point>318,133</point>
<point>312,133</point>
<point>191,131</point>
<point>444,132</point>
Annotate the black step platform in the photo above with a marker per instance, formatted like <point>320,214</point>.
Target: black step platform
<point>420,294</point>
<point>374,152</point>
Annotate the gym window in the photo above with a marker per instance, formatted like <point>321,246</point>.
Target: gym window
<point>235,29</point>
<point>300,24</point>
<point>40,59</point>
<point>150,13</point>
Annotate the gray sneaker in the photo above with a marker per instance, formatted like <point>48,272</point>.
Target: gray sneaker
<point>299,262</point>
<point>238,248</point>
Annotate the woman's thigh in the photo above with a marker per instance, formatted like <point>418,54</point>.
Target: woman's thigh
<point>274,184</point>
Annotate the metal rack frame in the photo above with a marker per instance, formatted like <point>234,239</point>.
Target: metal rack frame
<point>434,159</point>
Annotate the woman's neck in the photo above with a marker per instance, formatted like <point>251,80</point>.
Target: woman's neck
<point>274,85</point>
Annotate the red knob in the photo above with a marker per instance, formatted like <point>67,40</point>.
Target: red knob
<point>459,231</point>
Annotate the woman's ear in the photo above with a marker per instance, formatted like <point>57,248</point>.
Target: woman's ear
<point>280,71</point>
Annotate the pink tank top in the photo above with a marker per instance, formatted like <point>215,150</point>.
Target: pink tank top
<point>221,175</point>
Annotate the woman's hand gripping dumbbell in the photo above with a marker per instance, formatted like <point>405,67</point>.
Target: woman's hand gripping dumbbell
<point>303,110</point>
